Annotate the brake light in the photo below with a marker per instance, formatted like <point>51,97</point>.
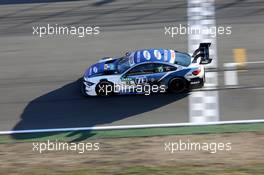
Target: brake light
<point>196,72</point>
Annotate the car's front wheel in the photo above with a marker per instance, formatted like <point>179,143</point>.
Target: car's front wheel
<point>177,85</point>
<point>104,88</point>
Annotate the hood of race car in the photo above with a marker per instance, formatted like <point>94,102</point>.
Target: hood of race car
<point>108,67</point>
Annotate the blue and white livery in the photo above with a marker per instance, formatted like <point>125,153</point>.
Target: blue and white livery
<point>147,71</point>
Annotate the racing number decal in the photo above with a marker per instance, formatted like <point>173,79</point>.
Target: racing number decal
<point>154,54</point>
<point>173,56</point>
<point>146,55</point>
<point>95,70</point>
<point>165,55</point>
<point>131,59</point>
<point>141,80</point>
<point>157,54</point>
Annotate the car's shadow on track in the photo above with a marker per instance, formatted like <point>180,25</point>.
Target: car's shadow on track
<point>65,107</point>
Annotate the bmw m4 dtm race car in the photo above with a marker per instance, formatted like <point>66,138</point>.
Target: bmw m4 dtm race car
<point>147,71</point>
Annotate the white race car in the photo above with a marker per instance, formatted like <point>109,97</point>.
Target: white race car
<point>147,71</point>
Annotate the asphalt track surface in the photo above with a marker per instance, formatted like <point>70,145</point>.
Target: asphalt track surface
<point>39,76</point>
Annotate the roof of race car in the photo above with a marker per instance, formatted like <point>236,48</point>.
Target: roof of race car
<point>161,55</point>
<point>145,55</point>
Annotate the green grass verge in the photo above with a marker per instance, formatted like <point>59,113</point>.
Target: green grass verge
<point>83,135</point>
<point>176,170</point>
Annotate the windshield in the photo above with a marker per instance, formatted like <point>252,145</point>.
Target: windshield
<point>123,64</point>
<point>183,59</point>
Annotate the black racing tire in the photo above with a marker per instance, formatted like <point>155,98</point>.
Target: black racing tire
<point>104,88</point>
<point>177,85</point>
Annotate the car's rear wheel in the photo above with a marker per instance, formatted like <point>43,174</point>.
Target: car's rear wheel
<point>104,88</point>
<point>178,85</point>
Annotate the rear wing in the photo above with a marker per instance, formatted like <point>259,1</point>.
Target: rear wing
<point>203,53</point>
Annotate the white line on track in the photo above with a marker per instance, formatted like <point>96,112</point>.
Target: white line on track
<point>237,87</point>
<point>254,62</point>
<point>248,62</point>
<point>130,127</point>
